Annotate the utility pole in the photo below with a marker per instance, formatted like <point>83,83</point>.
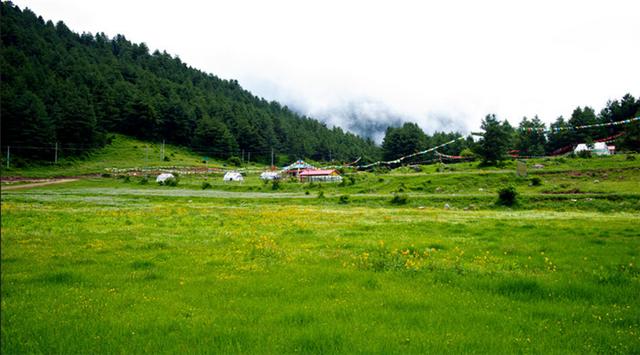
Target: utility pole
<point>55,159</point>
<point>271,157</point>
<point>8,155</point>
<point>162,151</point>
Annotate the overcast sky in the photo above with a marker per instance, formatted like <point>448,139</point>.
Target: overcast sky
<point>442,64</point>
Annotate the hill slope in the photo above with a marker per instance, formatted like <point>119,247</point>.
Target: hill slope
<point>122,152</point>
<point>59,86</point>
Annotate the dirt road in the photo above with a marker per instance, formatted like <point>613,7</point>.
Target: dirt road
<point>36,184</point>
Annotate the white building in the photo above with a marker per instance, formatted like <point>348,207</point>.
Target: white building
<point>270,175</point>
<point>233,176</point>
<point>598,148</point>
<point>164,176</point>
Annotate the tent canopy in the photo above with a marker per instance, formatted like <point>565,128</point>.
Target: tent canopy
<point>300,164</point>
<point>599,148</point>
<point>164,176</point>
<point>232,176</point>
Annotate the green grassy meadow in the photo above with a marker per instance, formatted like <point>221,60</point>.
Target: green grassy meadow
<point>110,265</point>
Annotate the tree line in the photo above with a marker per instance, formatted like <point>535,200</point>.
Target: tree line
<point>60,86</point>
<point>531,137</point>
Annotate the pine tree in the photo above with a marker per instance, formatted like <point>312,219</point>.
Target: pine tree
<point>495,142</point>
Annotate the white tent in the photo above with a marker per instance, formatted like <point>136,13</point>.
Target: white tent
<point>598,148</point>
<point>232,176</point>
<point>270,175</point>
<point>164,176</point>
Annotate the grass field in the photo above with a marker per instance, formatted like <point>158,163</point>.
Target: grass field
<point>106,265</point>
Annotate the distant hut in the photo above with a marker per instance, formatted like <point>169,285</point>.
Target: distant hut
<point>598,148</point>
<point>163,177</point>
<point>270,175</point>
<point>232,176</point>
<point>316,175</point>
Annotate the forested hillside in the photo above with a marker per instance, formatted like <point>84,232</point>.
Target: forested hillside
<point>72,89</point>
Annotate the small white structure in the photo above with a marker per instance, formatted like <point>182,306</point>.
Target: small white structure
<point>164,176</point>
<point>598,148</point>
<point>270,175</point>
<point>233,176</point>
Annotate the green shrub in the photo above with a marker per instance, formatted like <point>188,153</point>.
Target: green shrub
<point>468,154</point>
<point>321,194</point>
<point>166,158</point>
<point>107,175</point>
<point>170,182</point>
<point>584,154</point>
<point>343,200</point>
<point>144,180</point>
<point>536,181</point>
<point>235,161</point>
<point>275,184</point>
<point>507,196</point>
<point>126,179</point>
<point>399,199</point>
<point>205,185</point>
<point>630,157</point>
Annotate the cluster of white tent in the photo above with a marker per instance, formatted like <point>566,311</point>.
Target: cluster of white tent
<point>299,169</point>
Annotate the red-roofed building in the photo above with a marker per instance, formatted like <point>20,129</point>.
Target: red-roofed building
<point>320,175</point>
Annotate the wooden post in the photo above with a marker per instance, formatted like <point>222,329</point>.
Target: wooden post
<point>55,159</point>
<point>8,155</point>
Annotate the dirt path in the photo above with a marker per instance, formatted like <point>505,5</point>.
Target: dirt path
<point>36,184</point>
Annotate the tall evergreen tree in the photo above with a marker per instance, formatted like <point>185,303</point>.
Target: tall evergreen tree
<point>495,141</point>
<point>531,137</point>
<point>403,140</point>
<point>212,137</point>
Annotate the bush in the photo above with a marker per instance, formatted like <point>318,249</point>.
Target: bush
<point>630,157</point>
<point>166,158</point>
<point>235,161</point>
<point>321,194</point>
<point>536,181</point>
<point>507,196</point>
<point>205,185</point>
<point>275,184</point>
<point>585,154</point>
<point>126,179</point>
<point>144,180</point>
<point>343,200</point>
<point>468,154</point>
<point>399,199</point>
<point>170,182</point>
<point>107,175</point>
